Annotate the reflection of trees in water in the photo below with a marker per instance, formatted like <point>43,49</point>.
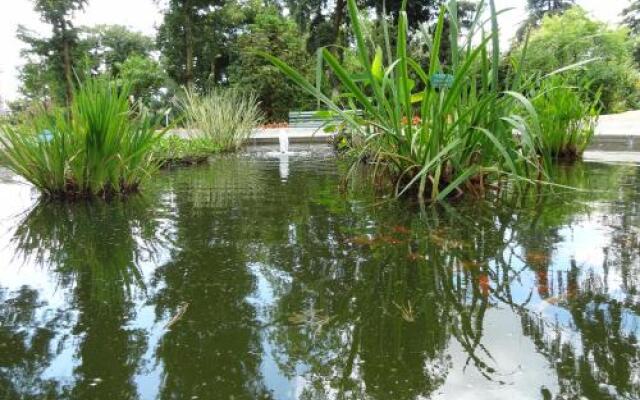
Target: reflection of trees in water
<point>93,249</point>
<point>375,320</point>
<point>623,219</point>
<point>595,354</point>
<point>371,316</point>
<point>98,244</point>
<point>598,357</point>
<point>26,338</point>
<point>230,216</point>
<point>213,351</point>
<point>366,302</point>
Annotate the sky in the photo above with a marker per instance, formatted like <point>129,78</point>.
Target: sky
<point>145,16</point>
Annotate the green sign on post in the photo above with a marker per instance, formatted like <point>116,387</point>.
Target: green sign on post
<point>442,81</point>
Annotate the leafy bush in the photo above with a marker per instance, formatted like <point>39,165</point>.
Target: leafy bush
<point>434,141</point>
<point>567,119</point>
<point>226,117</point>
<point>573,37</point>
<point>95,148</point>
<point>279,36</point>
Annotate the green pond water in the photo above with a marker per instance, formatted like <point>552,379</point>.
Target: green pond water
<point>252,278</point>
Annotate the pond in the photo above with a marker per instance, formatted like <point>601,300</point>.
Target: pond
<point>250,278</point>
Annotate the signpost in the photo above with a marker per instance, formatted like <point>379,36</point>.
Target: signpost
<point>442,81</point>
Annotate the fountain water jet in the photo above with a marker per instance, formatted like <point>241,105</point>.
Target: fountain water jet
<point>283,138</point>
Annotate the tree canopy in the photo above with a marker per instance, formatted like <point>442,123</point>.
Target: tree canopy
<point>204,44</point>
<point>572,37</point>
<point>57,52</point>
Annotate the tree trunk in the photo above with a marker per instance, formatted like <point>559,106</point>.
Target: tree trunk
<point>339,15</point>
<point>188,28</point>
<point>68,70</point>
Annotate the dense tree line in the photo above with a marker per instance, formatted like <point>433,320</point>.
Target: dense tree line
<point>202,44</point>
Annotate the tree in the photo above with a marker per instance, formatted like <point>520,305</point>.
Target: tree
<point>304,12</point>
<point>146,77</point>
<point>99,49</point>
<point>108,46</point>
<point>538,9</point>
<point>631,16</point>
<point>419,11</point>
<point>58,50</point>
<point>572,37</point>
<point>274,34</point>
<point>196,37</point>
<point>38,78</point>
<point>631,19</point>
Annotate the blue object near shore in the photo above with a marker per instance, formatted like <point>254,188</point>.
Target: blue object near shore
<point>45,136</point>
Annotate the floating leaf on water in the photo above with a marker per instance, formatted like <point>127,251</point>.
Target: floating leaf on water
<point>537,258</point>
<point>362,240</point>
<point>401,229</point>
<point>471,264</point>
<point>553,300</point>
<point>445,242</point>
<point>182,309</point>
<point>485,287</point>
<point>309,317</point>
<point>406,311</point>
<point>388,240</point>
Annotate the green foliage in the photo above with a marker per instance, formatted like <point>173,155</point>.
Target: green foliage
<point>539,8</point>
<point>108,46</point>
<point>195,39</point>
<point>98,50</point>
<point>279,36</point>
<point>96,148</point>
<point>146,77</point>
<point>462,135</point>
<point>567,118</point>
<point>419,11</point>
<point>56,52</point>
<point>631,16</point>
<point>174,150</point>
<point>226,117</point>
<point>573,37</point>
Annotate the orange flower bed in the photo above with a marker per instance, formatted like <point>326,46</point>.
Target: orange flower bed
<point>274,125</point>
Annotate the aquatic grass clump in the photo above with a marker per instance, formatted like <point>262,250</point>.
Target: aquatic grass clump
<point>462,116</point>
<point>567,121</point>
<point>96,148</point>
<point>173,150</point>
<point>226,117</point>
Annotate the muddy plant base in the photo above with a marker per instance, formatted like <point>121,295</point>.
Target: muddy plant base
<point>72,194</point>
<point>568,156</point>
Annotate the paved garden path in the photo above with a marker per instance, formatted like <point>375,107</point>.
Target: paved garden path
<point>627,123</point>
<point>617,138</point>
<point>616,130</point>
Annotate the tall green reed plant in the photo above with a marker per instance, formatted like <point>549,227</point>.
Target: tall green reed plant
<point>226,117</point>
<point>568,119</point>
<point>463,133</point>
<point>96,148</point>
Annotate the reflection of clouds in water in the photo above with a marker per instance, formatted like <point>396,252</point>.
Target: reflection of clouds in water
<point>278,294</point>
<point>522,369</point>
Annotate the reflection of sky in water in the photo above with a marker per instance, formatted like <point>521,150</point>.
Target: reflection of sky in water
<point>522,370</point>
<point>519,365</point>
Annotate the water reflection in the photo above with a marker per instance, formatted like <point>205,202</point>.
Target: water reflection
<point>227,282</point>
<point>94,253</point>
